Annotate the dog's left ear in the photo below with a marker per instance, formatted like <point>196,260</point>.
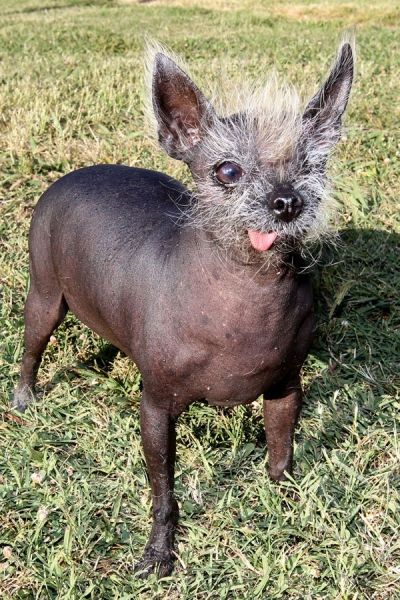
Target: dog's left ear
<point>180,108</point>
<point>323,114</point>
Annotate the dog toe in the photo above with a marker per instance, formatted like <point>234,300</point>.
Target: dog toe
<point>23,396</point>
<point>159,563</point>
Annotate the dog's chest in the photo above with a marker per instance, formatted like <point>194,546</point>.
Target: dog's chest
<point>231,346</point>
<point>247,356</point>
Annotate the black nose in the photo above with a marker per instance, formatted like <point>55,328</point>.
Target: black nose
<point>286,206</point>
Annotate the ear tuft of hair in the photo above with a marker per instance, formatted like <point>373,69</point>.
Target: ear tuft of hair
<point>330,102</point>
<point>182,116</point>
<point>151,50</point>
<point>181,110</point>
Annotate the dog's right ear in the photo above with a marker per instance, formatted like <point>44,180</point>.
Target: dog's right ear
<point>181,109</point>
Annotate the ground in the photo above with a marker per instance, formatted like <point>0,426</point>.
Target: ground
<point>74,494</point>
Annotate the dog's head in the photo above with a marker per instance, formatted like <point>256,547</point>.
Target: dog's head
<point>261,171</point>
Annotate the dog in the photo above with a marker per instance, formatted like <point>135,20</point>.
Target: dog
<point>205,290</point>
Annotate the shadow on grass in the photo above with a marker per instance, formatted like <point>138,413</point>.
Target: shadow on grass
<point>103,359</point>
<point>357,347</point>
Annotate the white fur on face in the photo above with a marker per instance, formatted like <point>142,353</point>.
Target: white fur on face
<point>268,136</point>
<point>268,139</point>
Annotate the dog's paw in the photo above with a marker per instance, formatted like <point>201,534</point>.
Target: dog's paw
<point>22,397</point>
<point>154,561</point>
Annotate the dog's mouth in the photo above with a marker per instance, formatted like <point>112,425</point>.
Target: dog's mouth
<point>262,242</point>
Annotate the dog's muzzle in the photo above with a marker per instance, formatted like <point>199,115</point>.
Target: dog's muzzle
<point>285,203</point>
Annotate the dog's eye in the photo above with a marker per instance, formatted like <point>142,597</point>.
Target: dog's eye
<point>228,173</point>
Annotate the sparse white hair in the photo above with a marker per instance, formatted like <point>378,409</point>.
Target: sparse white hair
<point>151,49</point>
<point>266,125</point>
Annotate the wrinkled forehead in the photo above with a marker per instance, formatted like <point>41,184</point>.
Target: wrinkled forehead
<point>265,138</point>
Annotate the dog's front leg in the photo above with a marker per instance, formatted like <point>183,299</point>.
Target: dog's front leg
<point>158,437</point>
<point>281,412</point>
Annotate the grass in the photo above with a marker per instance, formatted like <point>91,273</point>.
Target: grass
<point>74,494</point>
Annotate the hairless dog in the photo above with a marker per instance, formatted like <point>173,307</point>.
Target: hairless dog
<point>204,290</point>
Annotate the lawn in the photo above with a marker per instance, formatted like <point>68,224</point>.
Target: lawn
<point>74,494</point>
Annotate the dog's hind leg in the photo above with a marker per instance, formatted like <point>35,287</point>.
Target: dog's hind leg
<point>44,311</point>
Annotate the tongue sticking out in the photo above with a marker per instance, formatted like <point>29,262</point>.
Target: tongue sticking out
<point>261,241</point>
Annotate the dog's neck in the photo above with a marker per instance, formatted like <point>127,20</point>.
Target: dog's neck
<point>246,265</point>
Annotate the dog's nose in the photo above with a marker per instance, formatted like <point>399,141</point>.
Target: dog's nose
<point>286,206</point>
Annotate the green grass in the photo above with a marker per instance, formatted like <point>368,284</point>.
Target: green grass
<point>74,494</point>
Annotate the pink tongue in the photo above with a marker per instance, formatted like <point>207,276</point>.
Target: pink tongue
<point>261,241</point>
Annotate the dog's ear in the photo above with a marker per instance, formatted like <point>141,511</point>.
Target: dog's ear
<point>323,114</point>
<point>180,108</point>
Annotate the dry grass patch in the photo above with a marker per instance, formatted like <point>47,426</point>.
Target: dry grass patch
<point>352,13</point>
